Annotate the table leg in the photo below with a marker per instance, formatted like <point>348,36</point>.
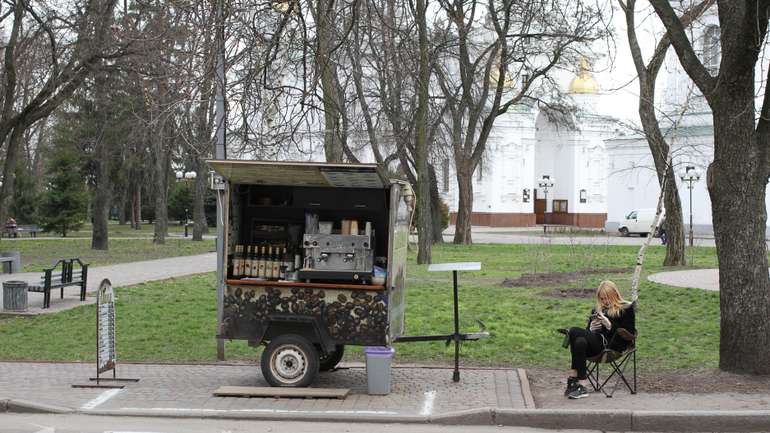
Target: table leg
<point>456,374</point>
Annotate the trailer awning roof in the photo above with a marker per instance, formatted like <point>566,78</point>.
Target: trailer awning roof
<point>300,173</point>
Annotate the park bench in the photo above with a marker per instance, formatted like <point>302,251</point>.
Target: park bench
<point>32,229</point>
<point>15,231</point>
<point>67,276</point>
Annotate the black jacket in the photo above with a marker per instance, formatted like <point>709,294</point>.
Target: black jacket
<point>626,319</point>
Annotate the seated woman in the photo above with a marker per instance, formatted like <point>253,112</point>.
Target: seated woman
<point>611,313</point>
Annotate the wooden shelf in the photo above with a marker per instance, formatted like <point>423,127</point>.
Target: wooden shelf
<point>301,284</point>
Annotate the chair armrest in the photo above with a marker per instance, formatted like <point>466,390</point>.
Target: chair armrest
<point>626,334</point>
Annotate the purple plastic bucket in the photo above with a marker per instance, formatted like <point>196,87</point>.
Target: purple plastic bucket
<point>378,359</point>
<point>379,351</point>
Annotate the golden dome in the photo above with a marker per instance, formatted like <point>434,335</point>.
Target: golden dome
<point>584,81</point>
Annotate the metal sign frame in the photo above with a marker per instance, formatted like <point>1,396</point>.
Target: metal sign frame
<point>106,354</point>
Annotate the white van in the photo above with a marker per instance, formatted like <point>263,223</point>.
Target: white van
<point>638,222</point>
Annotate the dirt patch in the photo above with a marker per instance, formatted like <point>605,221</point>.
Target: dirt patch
<point>547,381</point>
<point>545,279</point>
<point>569,293</point>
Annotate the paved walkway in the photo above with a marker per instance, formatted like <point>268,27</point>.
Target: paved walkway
<point>123,274</point>
<point>174,389</point>
<point>534,235</point>
<point>706,279</point>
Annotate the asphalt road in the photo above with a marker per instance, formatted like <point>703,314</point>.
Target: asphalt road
<point>36,423</point>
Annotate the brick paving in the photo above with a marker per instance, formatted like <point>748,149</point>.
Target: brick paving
<point>414,390</point>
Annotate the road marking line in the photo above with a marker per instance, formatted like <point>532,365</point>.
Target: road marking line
<point>103,397</point>
<point>427,405</point>
<point>181,409</point>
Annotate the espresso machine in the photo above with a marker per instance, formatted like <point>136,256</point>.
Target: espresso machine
<point>337,257</point>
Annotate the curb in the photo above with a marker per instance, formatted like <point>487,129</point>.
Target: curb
<point>619,420</point>
<point>24,406</point>
<point>286,415</point>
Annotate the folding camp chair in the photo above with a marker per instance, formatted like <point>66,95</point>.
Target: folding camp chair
<point>617,360</point>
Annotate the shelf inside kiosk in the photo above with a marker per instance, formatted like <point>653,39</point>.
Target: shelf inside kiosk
<point>306,233</point>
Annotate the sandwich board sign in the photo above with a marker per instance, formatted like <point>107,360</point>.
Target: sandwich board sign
<point>106,357</point>
<point>105,329</point>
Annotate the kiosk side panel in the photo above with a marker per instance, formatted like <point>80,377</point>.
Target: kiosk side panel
<point>399,239</point>
<point>355,317</point>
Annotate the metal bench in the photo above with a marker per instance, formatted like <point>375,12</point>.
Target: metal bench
<point>59,280</point>
<point>32,229</point>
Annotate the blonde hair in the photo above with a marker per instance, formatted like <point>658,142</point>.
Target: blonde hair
<point>610,290</point>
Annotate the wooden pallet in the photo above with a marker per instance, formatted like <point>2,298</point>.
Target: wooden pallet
<point>267,391</point>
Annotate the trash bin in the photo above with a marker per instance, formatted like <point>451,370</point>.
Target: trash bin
<point>378,361</point>
<point>15,296</point>
<point>14,266</point>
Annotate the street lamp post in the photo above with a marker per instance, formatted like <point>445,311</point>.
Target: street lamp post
<point>545,183</point>
<point>690,176</point>
<point>185,176</point>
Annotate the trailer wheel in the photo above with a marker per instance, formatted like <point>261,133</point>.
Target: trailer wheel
<point>330,360</point>
<point>290,360</point>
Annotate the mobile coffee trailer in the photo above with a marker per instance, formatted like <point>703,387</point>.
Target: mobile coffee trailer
<point>306,246</point>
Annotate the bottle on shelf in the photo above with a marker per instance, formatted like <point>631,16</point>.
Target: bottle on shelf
<point>241,263</point>
<point>269,263</point>
<point>261,262</point>
<point>237,262</point>
<point>275,261</point>
<point>254,261</point>
<point>245,264</point>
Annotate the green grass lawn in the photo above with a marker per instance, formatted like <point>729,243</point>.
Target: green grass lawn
<point>123,230</point>
<point>39,254</point>
<point>174,320</point>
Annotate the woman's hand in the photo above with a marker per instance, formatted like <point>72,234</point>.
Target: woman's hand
<point>595,326</point>
<point>604,320</point>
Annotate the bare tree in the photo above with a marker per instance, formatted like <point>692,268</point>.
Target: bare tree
<point>737,178</point>
<point>74,51</point>
<point>522,42</point>
<point>659,147</point>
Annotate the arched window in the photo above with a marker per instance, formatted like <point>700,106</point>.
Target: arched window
<point>712,52</point>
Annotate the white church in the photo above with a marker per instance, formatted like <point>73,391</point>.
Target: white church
<point>535,171</point>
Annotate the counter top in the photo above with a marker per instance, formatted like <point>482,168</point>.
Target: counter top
<point>303,284</point>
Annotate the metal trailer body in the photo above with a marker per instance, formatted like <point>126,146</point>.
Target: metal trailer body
<point>328,315</point>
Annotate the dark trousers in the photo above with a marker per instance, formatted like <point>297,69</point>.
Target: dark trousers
<point>583,344</point>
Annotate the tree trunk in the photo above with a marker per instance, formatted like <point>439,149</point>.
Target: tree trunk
<point>674,223</point>
<point>199,215</point>
<point>736,182</point>
<point>435,208</point>
<point>99,234</point>
<point>325,15</point>
<point>136,206</point>
<point>161,187</point>
<point>9,178</point>
<point>421,139</point>
<point>464,207</point>
<point>124,204</point>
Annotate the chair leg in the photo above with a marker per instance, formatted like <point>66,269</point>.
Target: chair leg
<point>619,369</point>
<point>62,293</point>
<point>593,375</point>
<point>634,360</point>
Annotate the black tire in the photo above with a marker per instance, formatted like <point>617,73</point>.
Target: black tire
<point>290,360</point>
<point>330,360</point>
<point>624,232</point>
